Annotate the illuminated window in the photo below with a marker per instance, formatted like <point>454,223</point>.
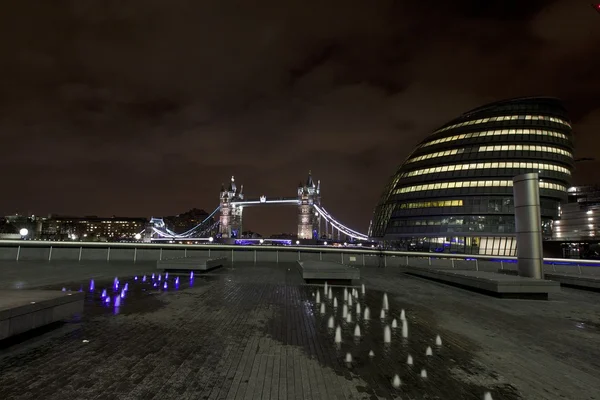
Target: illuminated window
<point>497,132</point>
<point>431,204</point>
<point>506,118</point>
<point>490,183</point>
<point>544,149</point>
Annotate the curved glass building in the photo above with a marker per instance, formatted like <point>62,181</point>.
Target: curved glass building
<point>454,192</point>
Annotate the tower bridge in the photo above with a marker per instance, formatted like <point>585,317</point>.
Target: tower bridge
<point>314,222</point>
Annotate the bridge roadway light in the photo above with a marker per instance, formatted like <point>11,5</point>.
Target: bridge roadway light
<point>261,241</point>
<point>211,239</point>
<point>137,236</point>
<point>297,242</point>
<point>324,243</point>
<point>24,232</point>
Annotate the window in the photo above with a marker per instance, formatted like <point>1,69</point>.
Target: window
<point>452,185</point>
<point>544,149</point>
<point>506,118</point>
<point>431,204</point>
<point>496,132</point>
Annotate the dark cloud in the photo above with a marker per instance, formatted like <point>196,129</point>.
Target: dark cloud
<point>145,107</point>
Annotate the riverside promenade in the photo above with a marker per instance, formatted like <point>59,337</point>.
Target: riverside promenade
<point>254,331</point>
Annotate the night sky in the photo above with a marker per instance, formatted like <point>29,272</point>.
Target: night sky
<point>144,107</point>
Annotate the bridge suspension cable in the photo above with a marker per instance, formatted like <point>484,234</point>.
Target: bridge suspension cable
<point>339,226</point>
<point>198,229</point>
<point>202,229</point>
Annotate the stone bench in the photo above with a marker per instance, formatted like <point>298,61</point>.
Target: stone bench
<point>189,264</point>
<point>574,280</point>
<point>490,283</point>
<point>24,310</point>
<point>319,271</point>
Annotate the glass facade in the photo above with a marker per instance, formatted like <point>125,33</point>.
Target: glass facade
<point>454,194</point>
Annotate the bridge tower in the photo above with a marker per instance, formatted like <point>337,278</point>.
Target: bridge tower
<point>230,214</point>
<point>309,194</point>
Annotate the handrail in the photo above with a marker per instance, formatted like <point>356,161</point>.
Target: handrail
<point>298,248</point>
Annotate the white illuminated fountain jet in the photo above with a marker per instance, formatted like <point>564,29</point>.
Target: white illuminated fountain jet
<point>387,334</point>
<point>338,335</point>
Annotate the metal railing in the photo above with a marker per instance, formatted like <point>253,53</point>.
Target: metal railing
<point>26,250</point>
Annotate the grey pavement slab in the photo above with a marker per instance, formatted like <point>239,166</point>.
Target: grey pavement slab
<point>575,280</point>
<point>25,310</point>
<point>316,270</point>
<point>255,332</point>
<point>187,264</point>
<point>32,274</point>
<point>501,285</point>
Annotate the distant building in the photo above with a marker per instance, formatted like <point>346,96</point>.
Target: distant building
<point>92,228</point>
<point>580,215</point>
<point>454,192</point>
<point>292,236</point>
<point>184,222</point>
<point>578,228</point>
<point>251,235</point>
<point>11,225</point>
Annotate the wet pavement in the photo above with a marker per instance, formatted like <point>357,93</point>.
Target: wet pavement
<point>256,332</point>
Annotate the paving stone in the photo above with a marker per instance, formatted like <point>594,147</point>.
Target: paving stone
<point>254,332</point>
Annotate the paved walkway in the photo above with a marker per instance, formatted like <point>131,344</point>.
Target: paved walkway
<point>254,332</point>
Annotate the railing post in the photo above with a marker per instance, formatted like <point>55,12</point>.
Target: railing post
<point>320,256</point>
<point>363,259</point>
<point>18,252</point>
<point>254,256</point>
<point>501,265</point>
<point>232,256</point>
<point>50,254</point>
<point>579,268</point>
<point>553,267</point>
<point>452,260</point>
<point>476,265</point>
<point>134,255</point>
<point>108,255</point>
<point>209,252</point>
<point>184,253</point>
<point>342,254</point>
<point>407,261</point>
<point>80,251</point>
<point>160,255</point>
<point>429,261</point>
<point>277,256</point>
<point>298,255</point>
<point>385,260</point>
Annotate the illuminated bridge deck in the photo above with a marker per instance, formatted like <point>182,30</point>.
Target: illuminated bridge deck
<point>254,332</point>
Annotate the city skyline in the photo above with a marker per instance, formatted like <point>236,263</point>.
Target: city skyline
<point>138,111</point>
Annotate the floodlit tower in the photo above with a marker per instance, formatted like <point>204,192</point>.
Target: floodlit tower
<point>230,214</point>
<point>308,195</point>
